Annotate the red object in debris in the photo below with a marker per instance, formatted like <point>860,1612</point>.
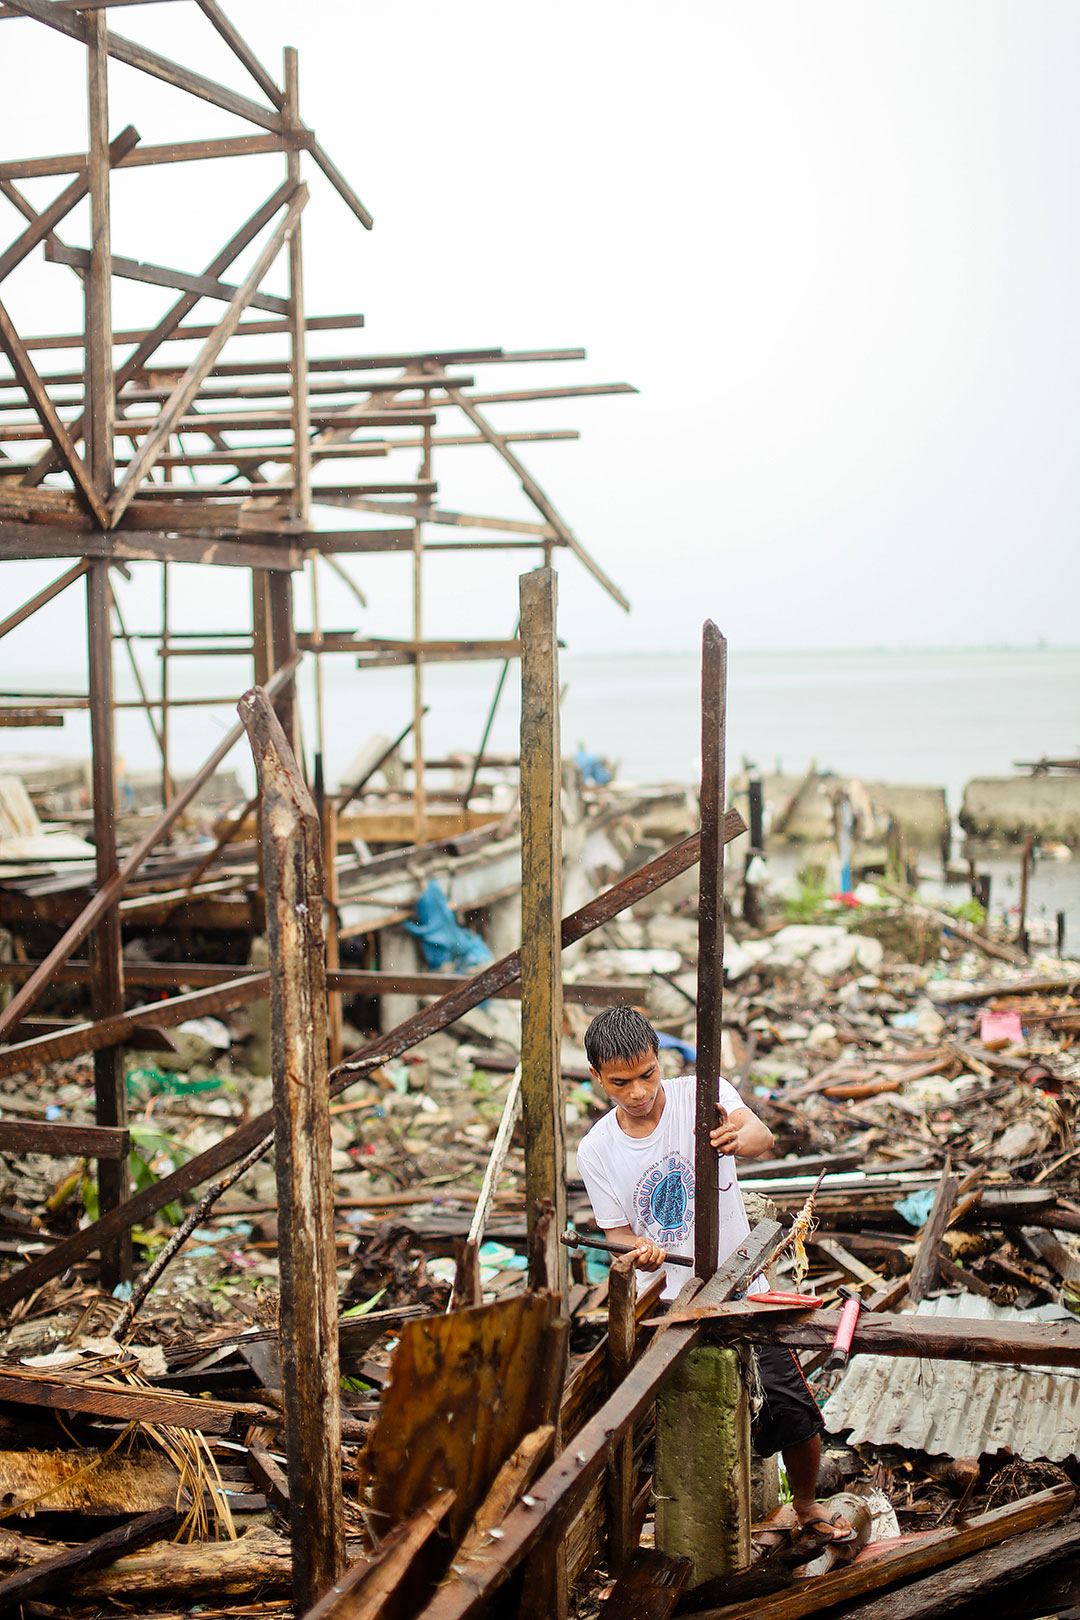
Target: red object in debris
<point>1037,1074</point>
<point>800,1302</point>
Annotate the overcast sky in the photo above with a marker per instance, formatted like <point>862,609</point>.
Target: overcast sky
<point>835,246</point>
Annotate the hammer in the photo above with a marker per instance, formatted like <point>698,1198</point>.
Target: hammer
<point>849,1316</point>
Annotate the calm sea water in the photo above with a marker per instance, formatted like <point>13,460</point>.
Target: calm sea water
<point>934,717</point>
<point>931,717</point>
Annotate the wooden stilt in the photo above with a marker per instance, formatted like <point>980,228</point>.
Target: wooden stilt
<point>710,989</point>
<point>541,909</point>
<point>308,1340</point>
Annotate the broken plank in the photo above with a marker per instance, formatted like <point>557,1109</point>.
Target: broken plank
<point>982,1572</point>
<point>50,1573</point>
<point>924,1271</point>
<point>63,1141</point>
<point>563,1488</point>
<point>650,1589</point>
<point>363,1591</point>
<point>125,1403</point>
<point>267,1474</point>
<point>928,1552</point>
<point>1014,1344</point>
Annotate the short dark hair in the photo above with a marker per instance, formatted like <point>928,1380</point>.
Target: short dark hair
<point>618,1035</point>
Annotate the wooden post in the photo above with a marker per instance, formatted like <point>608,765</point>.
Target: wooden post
<point>419,787</point>
<point>107,997</point>
<point>710,990</point>
<point>100,385</point>
<point>110,1089</point>
<point>541,908</point>
<point>622,1337</point>
<point>166,773</point>
<point>333,948</point>
<point>292,866</point>
<point>1025,872</point>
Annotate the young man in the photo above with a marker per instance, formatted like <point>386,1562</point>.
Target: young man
<point>637,1164</point>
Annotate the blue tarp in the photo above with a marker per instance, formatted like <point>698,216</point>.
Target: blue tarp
<point>592,767</point>
<point>687,1052</point>
<point>442,938</point>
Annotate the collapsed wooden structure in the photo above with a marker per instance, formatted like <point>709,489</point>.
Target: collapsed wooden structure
<point>220,457</point>
<point>535,1481</point>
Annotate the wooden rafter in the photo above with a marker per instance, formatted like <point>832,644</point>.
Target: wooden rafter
<point>188,386</point>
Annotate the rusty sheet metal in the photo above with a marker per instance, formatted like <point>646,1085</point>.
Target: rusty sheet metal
<point>958,1408</point>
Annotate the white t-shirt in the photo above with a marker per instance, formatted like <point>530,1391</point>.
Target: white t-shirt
<point>647,1182</point>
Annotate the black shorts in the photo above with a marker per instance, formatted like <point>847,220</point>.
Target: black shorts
<point>789,1413</point>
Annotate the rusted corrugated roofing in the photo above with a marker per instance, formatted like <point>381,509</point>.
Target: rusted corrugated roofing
<point>960,1408</point>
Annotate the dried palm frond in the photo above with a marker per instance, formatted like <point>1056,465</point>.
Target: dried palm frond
<point>802,1230</point>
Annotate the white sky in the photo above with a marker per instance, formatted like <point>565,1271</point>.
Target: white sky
<point>834,244</point>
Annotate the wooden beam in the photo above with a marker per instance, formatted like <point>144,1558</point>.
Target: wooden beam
<point>46,594</point>
<point>186,334</point>
<point>710,974</point>
<point>100,267</point>
<point>242,51</point>
<point>1009,1344</point>
<point>126,1402</point>
<point>113,1031</point>
<point>535,494</point>
<point>43,223</point>
<point>144,157</point>
<point>58,1569</point>
<point>298,373</point>
<point>147,61</point>
<point>149,342</point>
<point>23,541</point>
<point>55,430</point>
<point>95,908</point>
<point>541,909</point>
<point>308,1340</point>
<point>190,382</point>
<point>63,1141</point>
<point>157,275</point>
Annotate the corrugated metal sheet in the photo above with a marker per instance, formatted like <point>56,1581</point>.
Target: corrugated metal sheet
<point>959,1408</point>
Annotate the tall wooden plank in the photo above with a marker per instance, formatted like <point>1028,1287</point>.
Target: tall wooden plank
<point>621,1343</point>
<point>541,906</point>
<point>301,497</point>
<point>107,967</point>
<point>292,867</point>
<point>419,790</point>
<point>106,946</point>
<point>710,991</point>
<point>100,386</point>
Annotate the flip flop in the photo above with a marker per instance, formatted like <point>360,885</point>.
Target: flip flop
<point>830,1524</point>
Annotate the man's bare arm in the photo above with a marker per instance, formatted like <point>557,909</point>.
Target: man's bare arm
<point>741,1134</point>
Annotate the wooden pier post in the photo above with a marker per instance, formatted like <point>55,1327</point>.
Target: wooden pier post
<point>710,986</point>
<point>541,912</point>
<point>292,866</point>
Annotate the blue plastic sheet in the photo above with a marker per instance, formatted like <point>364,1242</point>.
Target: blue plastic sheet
<point>916,1207</point>
<point>592,767</point>
<point>442,938</point>
<point>687,1052</point>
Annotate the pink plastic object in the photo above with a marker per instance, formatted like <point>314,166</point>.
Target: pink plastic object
<point>998,1029</point>
<point>838,1355</point>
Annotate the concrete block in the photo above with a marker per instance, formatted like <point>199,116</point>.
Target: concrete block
<point>703,1464</point>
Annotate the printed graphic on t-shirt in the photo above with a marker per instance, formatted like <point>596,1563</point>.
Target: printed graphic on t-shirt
<point>665,1198</point>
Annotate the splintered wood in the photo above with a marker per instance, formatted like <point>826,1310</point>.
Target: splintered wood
<point>464,1391</point>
